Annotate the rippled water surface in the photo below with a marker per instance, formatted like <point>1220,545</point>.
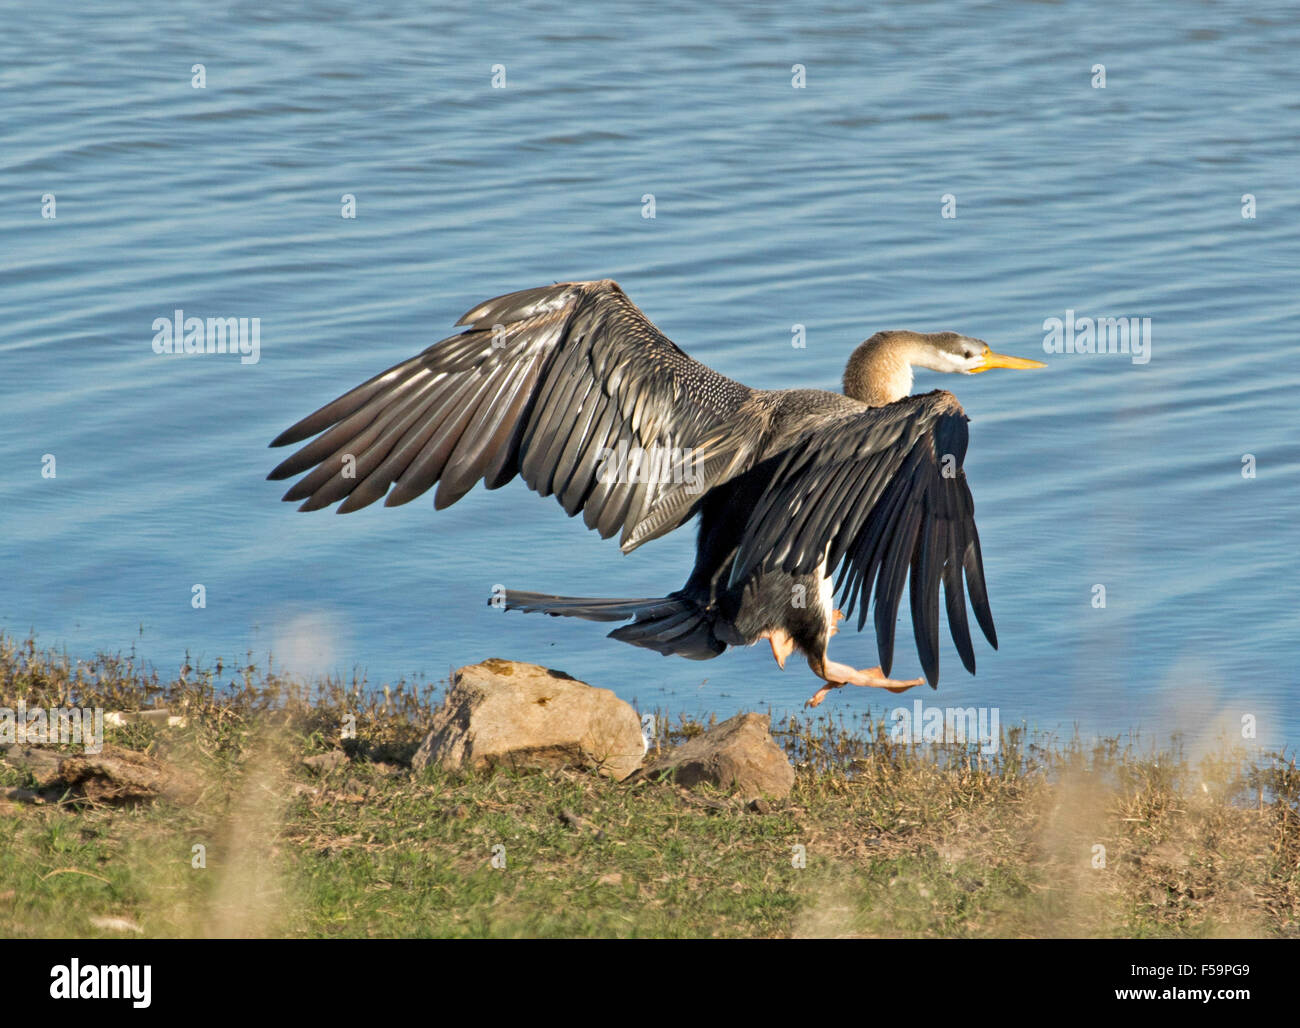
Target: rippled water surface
<point>774,206</point>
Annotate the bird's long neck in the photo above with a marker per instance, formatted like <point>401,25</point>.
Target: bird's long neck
<point>879,371</point>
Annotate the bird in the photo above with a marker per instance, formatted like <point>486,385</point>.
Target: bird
<point>801,495</point>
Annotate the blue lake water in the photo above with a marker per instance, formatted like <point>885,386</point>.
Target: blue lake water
<point>774,206</point>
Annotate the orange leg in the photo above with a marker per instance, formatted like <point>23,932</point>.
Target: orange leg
<point>839,675</point>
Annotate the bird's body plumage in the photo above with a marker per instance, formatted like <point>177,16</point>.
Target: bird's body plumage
<point>575,390</point>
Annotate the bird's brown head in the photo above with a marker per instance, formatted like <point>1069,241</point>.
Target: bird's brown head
<point>880,370</point>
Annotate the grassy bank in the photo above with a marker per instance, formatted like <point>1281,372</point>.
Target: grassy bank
<point>893,839</point>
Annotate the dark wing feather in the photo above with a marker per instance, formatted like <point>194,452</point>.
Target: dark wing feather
<point>875,495</point>
<point>543,383</point>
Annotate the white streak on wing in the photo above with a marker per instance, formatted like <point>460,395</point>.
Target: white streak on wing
<point>826,591</point>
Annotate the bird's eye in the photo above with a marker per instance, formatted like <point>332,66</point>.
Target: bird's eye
<point>968,355</point>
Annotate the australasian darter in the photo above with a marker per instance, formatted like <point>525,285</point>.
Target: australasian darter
<point>571,387</point>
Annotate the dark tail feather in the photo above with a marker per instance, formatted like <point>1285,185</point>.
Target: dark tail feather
<point>668,624</point>
<point>589,607</point>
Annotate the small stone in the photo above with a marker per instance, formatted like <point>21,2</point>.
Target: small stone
<point>738,754</point>
<point>324,763</point>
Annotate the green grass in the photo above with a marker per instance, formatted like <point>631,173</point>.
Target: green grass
<point>896,840</point>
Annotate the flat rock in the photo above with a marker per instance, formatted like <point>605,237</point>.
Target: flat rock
<point>738,754</point>
<point>504,713</point>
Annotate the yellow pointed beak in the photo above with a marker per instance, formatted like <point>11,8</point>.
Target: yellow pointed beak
<point>1001,360</point>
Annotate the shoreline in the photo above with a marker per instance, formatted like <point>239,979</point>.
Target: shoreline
<point>255,815</point>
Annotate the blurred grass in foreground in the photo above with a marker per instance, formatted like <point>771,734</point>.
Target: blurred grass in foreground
<point>895,839</point>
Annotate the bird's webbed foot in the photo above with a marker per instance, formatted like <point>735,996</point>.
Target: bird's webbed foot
<point>839,675</point>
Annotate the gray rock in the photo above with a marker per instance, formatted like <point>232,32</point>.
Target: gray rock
<point>504,713</point>
<point>738,754</point>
